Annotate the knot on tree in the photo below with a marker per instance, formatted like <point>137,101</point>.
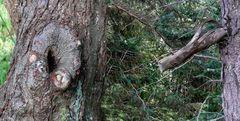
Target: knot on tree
<point>61,78</point>
<point>59,47</point>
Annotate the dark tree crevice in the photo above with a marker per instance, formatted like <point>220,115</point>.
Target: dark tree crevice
<point>52,64</point>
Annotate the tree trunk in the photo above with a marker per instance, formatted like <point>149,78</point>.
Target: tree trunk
<point>230,56</point>
<point>58,62</point>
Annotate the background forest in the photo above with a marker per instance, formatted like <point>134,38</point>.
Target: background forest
<point>135,87</point>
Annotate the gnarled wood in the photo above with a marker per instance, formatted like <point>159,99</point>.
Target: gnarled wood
<point>58,61</point>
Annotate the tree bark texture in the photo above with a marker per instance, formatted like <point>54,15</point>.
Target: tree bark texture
<point>230,56</point>
<point>57,68</point>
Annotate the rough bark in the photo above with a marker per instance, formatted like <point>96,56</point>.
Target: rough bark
<point>230,56</point>
<point>58,61</point>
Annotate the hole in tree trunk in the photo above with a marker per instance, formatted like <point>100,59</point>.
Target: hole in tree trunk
<point>51,61</point>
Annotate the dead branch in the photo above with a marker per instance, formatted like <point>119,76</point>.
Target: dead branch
<point>196,45</point>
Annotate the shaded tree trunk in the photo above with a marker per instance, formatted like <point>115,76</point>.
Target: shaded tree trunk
<point>58,62</point>
<point>230,56</point>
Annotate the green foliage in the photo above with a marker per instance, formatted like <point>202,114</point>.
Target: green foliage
<point>136,88</point>
<point>6,42</point>
<point>179,21</point>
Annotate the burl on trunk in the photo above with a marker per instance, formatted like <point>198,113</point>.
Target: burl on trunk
<point>58,62</point>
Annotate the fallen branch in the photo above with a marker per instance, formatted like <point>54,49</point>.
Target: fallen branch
<point>196,45</point>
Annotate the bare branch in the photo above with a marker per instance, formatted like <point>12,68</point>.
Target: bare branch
<point>217,119</point>
<point>194,46</point>
<point>210,81</point>
<point>176,2</point>
<point>197,43</point>
<point>202,105</point>
<point>147,20</point>
<point>207,57</point>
